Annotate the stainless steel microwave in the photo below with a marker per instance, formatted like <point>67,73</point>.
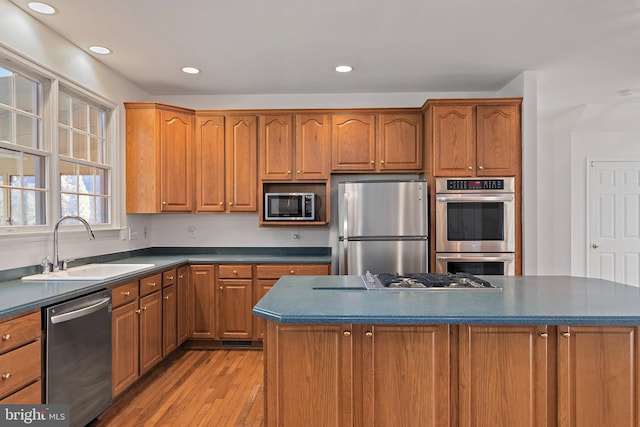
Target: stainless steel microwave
<point>289,207</point>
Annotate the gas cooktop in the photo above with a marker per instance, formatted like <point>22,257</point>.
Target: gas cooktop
<point>426,281</point>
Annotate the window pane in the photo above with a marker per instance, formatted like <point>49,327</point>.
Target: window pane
<point>6,127</point>
<point>26,131</point>
<point>102,210</point>
<point>102,184</point>
<point>68,178</point>
<point>85,184</point>
<point>15,210</point>
<point>85,208</point>
<point>26,94</point>
<point>96,150</point>
<point>68,204</point>
<point>33,170</point>
<point>64,142</point>
<point>96,122</point>
<point>34,213</point>
<point>5,87</point>
<point>64,112</point>
<point>80,146</point>
<point>4,214</point>
<point>79,120</point>
<point>9,161</point>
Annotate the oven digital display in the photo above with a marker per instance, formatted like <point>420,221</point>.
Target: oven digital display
<point>475,184</point>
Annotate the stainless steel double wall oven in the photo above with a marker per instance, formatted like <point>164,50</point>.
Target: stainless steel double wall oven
<point>475,225</point>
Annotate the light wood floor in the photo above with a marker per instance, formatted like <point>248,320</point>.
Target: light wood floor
<point>195,388</point>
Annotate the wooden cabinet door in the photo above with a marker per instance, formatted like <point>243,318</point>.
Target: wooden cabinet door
<point>405,374</point>
<point>312,144</point>
<point>309,375</point>
<point>124,351</point>
<point>497,140</point>
<point>235,299</point>
<point>201,302</point>
<point>182,291</point>
<point>400,142</point>
<point>598,382</point>
<point>150,331</point>
<point>353,142</point>
<point>261,287</point>
<point>503,376</point>
<point>176,189</point>
<point>169,320</point>
<point>275,139</point>
<point>241,163</point>
<point>453,140</point>
<point>209,161</point>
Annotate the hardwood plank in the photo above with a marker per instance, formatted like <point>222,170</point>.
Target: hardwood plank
<point>195,387</point>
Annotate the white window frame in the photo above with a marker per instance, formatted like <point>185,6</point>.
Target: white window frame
<point>50,86</point>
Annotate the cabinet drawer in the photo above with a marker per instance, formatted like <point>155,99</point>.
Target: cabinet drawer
<point>275,271</point>
<point>30,395</point>
<point>19,367</point>
<point>124,294</point>
<point>169,278</point>
<point>234,271</point>
<point>150,284</point>
<point>18,331</point>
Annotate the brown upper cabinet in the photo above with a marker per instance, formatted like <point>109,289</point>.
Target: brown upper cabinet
<point>377,142</point>
<point>294,148</point>
<point>473,137</point>
<point>159,158</point>
<point>226,166</point>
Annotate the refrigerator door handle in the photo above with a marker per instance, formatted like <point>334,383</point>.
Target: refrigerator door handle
<point>345,228</point>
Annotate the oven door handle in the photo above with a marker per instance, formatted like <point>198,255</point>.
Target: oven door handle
<point>498,258</point>
<point>478,198</point>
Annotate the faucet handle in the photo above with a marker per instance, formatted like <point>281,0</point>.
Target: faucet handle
<point>46,265</point>
<point>64,264</point>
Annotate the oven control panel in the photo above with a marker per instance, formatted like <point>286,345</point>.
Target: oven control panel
<point>475,184</point>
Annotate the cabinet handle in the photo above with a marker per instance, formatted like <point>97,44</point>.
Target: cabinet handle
<point>566,334</point>
<point>480,167</point>
<point>126,294</point>
<point>6,337</point>
<point>372,162</point>
<point>181,276</point>
<point>346,333</point>
<point>235,273</point>
<point>382,162</point>
<point>543,334</point>
<point>6,375</point>
<point>221,203</point>
<point>152,284</point>
<point>298,172</point>
<point>221,288</point>
<point>288,172</point>
<point>470,167</point>
<point>164,203</point>
<point>230,203</point>
<point>368,334</point>
<point>144,308</point>
<point>138,311</point>
<point>170,277</point>
<point>292,272</point>
<point>166,297</point>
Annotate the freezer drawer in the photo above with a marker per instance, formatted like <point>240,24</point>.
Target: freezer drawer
<point>383,256</point>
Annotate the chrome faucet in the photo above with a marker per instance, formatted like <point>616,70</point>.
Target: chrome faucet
<point>56,265</point>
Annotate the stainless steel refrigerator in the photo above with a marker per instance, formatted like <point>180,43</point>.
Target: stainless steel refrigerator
<point>383,227</point>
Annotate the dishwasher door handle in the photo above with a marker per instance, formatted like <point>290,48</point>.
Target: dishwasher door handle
<point>64,317</point>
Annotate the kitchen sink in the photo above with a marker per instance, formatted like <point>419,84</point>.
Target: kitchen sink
<point>90,272</point>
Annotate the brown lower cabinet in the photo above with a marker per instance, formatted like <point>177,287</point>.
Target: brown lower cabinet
<point>138,342</point>
<point>451,375</point>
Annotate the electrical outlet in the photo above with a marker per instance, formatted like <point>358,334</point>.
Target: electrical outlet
<point>296,235</point>
<point>192,231</point>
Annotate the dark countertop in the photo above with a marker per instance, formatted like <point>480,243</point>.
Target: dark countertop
<point>17,296</point>
<point>548,300</point>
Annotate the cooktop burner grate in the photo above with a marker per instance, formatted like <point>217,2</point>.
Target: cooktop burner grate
<point>426,280</point>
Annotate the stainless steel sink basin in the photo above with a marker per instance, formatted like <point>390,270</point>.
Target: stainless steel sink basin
<point>90,272</point>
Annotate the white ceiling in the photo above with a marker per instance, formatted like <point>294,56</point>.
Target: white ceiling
<point>584,51</point>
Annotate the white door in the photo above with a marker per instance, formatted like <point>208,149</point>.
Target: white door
<point>614,221</point>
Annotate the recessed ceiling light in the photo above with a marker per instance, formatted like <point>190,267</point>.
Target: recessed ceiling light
<point>100,50</point>
<point>43,8</point>
<point>190,70</point>
<point>344,68</point>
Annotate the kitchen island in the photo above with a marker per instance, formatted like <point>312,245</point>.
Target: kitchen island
<point>540,351</point>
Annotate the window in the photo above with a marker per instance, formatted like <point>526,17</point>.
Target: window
<point>83,168</point>
<point>23,192</point>
<point>55,150</point>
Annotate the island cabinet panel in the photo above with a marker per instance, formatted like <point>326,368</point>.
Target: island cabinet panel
<point>202,302</point>
<point>503,376</point>
<point>598,376</point>
<point>405,376</point>
<point>309,378</point>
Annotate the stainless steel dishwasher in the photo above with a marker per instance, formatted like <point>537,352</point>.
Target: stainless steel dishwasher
<point>78,356</point>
